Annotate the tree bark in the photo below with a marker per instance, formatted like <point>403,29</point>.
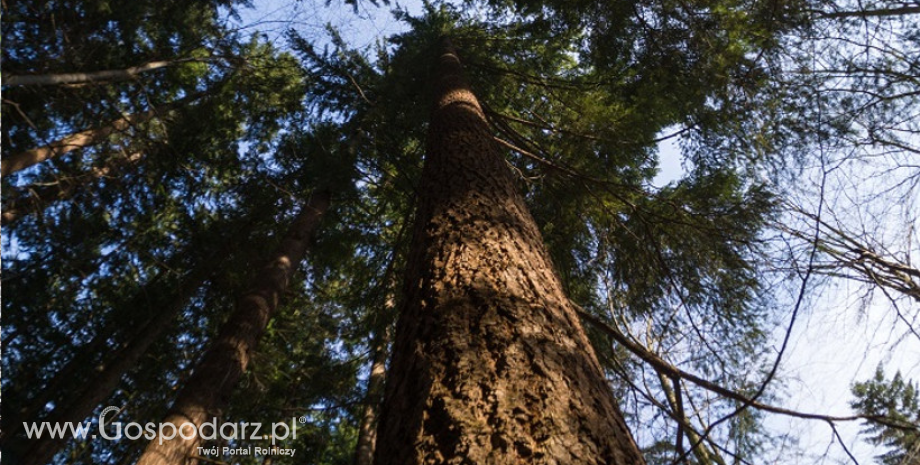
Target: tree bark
<point>490,362</point>
<point>37,198</point>
<point>367,430</point>
<point>83,78</point>
<point>22,160</point>
<point>208,390</point>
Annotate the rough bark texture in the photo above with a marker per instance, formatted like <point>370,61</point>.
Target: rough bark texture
<point>208,390</point>
<point>367,430</point>
<point>490,362</point>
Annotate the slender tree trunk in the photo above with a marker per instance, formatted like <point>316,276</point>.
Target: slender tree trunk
<point>93,359</point>
<point>109,374</point>
<point>84,78</point>
<point>37,198</point>
<point>367,430</point>
<point>12,421</point>
<point>490,362</point>
<point>22,160</point>
<point>208,390</point>
<point>702,453</point>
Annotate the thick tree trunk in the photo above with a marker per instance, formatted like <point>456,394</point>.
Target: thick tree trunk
<point>490,362</point>
<point>109,374</point>
<point>37,198</point>
<point>91,77</point>
<point>208,390</point>
<point>22,160</point>
<point>367,430</point>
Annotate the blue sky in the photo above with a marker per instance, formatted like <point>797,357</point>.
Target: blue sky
<point>837,339</point>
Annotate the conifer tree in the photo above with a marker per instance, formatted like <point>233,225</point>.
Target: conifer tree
<point>897,402</point>
<point>207,392</point>
<point>490,362</point>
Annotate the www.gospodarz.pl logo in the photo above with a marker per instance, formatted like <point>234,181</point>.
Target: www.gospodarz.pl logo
<point>208,430</point>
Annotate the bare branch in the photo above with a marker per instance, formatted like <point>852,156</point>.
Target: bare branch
<point>670,370</point>
<point>109,75</point>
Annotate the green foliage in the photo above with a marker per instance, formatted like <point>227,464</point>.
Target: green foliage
<point>579,92</point>
<point>897,401</point>
<point>586,156</point>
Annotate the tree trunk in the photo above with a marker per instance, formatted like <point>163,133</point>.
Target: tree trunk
<point>22,160</point>
<point>367,430</point>
<point>109,374</point>
<point>208,390</point>
<point>37,198</point>
<point>702,453</point>
<point>51,391</point>
<point>84,78</point>
<point>490,362</point>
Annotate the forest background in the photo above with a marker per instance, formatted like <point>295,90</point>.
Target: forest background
<point>788,229</point>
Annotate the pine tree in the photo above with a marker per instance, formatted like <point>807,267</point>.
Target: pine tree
<point>490,363</point>
<point>578,92</point>
<point>367,428</point>
<point>206,393</point>
<point>895,403</point>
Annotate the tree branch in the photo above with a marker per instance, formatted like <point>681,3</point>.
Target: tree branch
<point>670,370</point>
<point>91,77</point>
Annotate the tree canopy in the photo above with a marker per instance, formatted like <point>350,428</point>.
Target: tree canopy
<point>156,152</point>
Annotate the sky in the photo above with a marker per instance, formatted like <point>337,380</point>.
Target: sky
<point>836,339</point>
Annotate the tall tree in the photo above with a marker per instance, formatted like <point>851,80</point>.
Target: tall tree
<point>490,363</point>
<point>108,374</point>
<point>207,392</point>
<point>580,93</point>
<point>367,428</point>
